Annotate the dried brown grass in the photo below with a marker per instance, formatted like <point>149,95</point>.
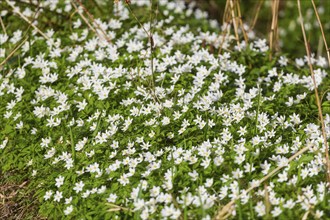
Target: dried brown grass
<point>17,202</point>
<point>318,102</point>
<point>92,24</point>
<point>225,211</point>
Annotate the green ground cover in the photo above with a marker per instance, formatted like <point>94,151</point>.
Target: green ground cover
<point>148,110</point>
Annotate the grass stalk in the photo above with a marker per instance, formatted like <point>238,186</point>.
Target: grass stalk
<point>91,17</point>
<point>241,22</point>
<point>85,20</point>
<point>224,36</point>
<point>234,19</point>
<point>225,212</point>
<point>15,10</point>
<point>260,2</point>
<point>13,52</point>
<point>258,109</point>
<point>318,103</point>
<point>274,28</point>
<point>322,31</point>
<point>73,150</point>
<point>151,43</point>
<point>3,25</point>
<point>267,202</point>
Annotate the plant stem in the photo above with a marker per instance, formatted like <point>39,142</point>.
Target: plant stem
<point>318,103</point>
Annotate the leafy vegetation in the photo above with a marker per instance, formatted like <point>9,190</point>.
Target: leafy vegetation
<point>127,110</point>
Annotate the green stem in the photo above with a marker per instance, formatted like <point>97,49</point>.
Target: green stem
<point>72,145</point>
<point>258,109</point>
<point>251,208</point>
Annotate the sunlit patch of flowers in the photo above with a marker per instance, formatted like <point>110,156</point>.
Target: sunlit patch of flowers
<point>102,134</point>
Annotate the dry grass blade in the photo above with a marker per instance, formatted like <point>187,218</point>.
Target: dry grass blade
<point>318,103</point>
<point>17,202</point>
<point>3,25</point>
<point>226,21</point>
<point>98,27</point>
<point>322,31</point>
<point>114,208</point>
<point>85,19</point>
<point>305,217</point>
<point>319,47</point>
<point>224,35</point>
<point>232,15</point>
<point>27,20</point>
<point>260,2</point>
<point>225,210</point>
<point>234,18</point>
<point>226,14</point>
<point>241,22</point>
<point>267,202</point>
<point>13,52</point>
<point>151,43</point>
<point>273,30</point>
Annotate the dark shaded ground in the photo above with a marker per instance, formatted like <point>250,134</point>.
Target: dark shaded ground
<point>287,17</point>
<point>16,200</point>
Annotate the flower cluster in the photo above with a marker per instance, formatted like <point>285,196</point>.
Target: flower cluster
<point>108,129</point>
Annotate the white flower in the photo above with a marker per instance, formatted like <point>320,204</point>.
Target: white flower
<point>101,189</point>
<point>276,211</point>
<point>59,181</point>
<point>48,194</point>
<point>166,121</point>
<point>289,204</point>
<point>68,200</point>
<point>19,125</point>
<point>209,182</point>
<point>123,180</point>
<point>283,61</point>
<point>79,186</point>
<point>4,143</point>
<point>112,198</point>
<point>318,214</point>
<point>282,177</point>
<point>58,196</point>
<point>81,105</point>
<point>260,209</point>
<point>193,175</point>
<point>68,210</point>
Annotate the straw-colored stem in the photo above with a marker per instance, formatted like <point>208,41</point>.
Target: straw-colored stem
<point>318,103</point>
<point>241,22</point>
<point>71,16</point>
<point>224,36</point>
<point>256,15</point>
<point>228,207</point>
<point>226,20</point>
<point>305,216</point>
<point>267,202</point>
<point>273,30</point>
<point>235,23</point>
<point>151,43</point>
<point>226,14</point>
<point>322,31</point>
<point>13,52</point>
<point>115,207</point>
<point>3,25</point>
<point>85,19</point>
<point>27,20</point>
<point>91,17</point>
<point>323,94</point>
<point>319,47</point>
